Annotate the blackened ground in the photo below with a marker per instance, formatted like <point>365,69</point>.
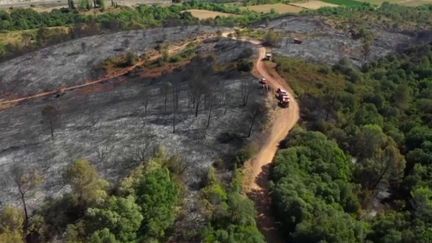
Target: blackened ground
<point>323,42</point>
<point>108,123</point>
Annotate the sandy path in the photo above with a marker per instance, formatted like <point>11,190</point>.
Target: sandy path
<point>283,119</point>
<point>258,169</point>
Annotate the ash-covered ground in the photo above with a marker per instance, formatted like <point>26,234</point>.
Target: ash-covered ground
<point>110,125</point>
<point>73,62</point>
<point>324,43</point>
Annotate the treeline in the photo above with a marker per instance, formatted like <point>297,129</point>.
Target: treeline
<point>380,116</point>
<point>141,208</point>
<point>24,19</point>
<point>231,214</point>
<point>43,29</point>
<point>73,25</point>
<point>313,193</point>
<point>139,17</point>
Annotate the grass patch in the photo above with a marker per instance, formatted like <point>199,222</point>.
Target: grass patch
<point>411,3</point>
<point>313,5</point>
<point>347,3</point>
<point>307,78</point>
<point>253,33</point>
<point>24,38</point>
<point>207,14</point>
<point>279,8</point>
<point>188,53</point>
<point>14,37</point>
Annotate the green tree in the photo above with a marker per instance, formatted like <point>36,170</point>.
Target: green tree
<point>157,194</point>
<point>102,4</point>
<point>232,214</point>
<point>88,188</point>
<point>11,219</point>
<point>121,216</point>
<point>271,38</point>
<point>84,4</point>
<point>379,159</point>
<point>11,225</point>
<point>329,225</point>
<point>103,236</point>
<point>389,228</point>
<point>422,203</point>
<point>312,191</point>
<point>402,96</point>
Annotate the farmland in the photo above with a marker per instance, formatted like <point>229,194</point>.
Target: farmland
<point>207,14</point>
<point>347,3</point>
<point>401,2</point>
<point>314,4</point>
<point>277,7</point>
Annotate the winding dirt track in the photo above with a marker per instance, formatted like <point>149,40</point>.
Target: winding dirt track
<point>258,169</point>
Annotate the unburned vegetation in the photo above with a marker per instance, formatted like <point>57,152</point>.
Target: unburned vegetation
<point>371,128</point>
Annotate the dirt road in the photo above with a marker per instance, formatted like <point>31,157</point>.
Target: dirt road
<point>257,169</point>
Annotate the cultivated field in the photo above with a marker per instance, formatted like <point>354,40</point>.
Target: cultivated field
<point>402,2</point>
<point>314,4</point>
<point>278,8</point>
<point>206,14</point>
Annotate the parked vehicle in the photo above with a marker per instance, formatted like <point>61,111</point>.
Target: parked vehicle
<point>283,98</point>
<point>297,41</point>
<point>268,56</point>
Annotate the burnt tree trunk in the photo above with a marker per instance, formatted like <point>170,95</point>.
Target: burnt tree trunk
<point>26,216</point>
<point>209,114</point>
<point>165,102</point>
<point>52,129</point>
<point>175,107</point>
<point>197,105</point>
<point>145,107</point>
<point>253,119</point>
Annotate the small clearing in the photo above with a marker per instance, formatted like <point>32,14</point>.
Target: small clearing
<point>314,4</point>
<point>277,7</point>
<point>207,14</point>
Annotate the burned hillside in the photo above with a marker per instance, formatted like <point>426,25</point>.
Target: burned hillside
<point>202,111</point>
<point>325,41</point>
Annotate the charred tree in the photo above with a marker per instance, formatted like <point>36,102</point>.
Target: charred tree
<point>26,182</point>
<point>210,105</point>
<point>175,94</point>
<point>145,94</point>
<point>51,118</point>
<point>246,89</point>
<point>165,90</point>
<point>253,112</point>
